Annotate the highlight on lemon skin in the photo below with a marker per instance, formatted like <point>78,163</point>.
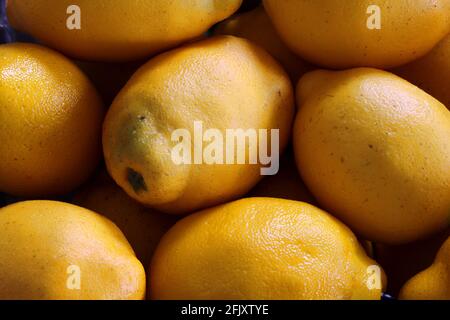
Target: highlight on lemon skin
<point>51,118</point>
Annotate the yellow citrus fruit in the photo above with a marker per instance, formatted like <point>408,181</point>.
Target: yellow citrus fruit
<point>50,122</point>
<point>401,262</point>
<point>432,72</point>
<point>360,33</point>
<point>56,251</point>
<point>142,227</point>
<point>113,30</point>
<point>432,283</point>
<point>222,83</point>
<point>256,26</point>
<point>261,248</point>
<point>375,151</point>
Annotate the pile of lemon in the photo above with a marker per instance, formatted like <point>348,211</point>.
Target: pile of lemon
<point>356,91</point>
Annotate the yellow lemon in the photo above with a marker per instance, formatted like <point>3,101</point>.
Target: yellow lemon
<point>360,33</point>
<point>432,283</point>
<point>262,248</point>
<point>203,90</point>
<point>50,122</point>
<point>56,251</point>
<point>375,151</point>
<point>401,262</point>
<point>116,30</point>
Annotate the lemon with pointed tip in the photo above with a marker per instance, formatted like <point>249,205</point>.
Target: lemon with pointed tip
<point>224,84</point>
<point>432,283</point>
<point>401,262</point>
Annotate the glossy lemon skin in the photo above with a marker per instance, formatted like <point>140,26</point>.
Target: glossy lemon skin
<point>375,151</point>
<point>226,83</point>
<point>116,30</point>
<point>50,122</point>
<point>334,34</point>
<point>41,240</point>
<point>432,72</point>
<point>432,283</point>
<point>260,248</point>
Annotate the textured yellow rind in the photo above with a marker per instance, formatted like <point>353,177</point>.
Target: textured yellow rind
<point>50,122</point>
<point>375,151</point>
<point>261,248</point>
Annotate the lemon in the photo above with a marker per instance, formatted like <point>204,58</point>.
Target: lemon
<point>56,251</point>
<point>432,283</point>
<point>402,262</point>
<point>220,84</point>
<point>50,122</point>
<point>375,151</point>
<point>262,248</point>
<point>116,30</point>
<point>360,33</point>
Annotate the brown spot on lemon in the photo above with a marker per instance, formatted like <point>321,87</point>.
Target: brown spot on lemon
<point>148,146</point>
<point>136,180</point>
